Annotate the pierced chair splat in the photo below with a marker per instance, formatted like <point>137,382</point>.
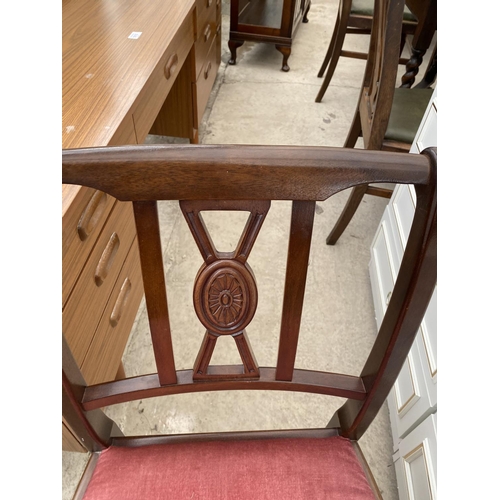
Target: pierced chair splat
<point>225,292</point>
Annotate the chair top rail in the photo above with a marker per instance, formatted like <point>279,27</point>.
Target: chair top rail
<point>181,172</point>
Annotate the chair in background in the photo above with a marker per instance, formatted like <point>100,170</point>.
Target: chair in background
<point>293,464</point>
<point>426,13</point>
<point>386,117</point>
<point>355,17</point>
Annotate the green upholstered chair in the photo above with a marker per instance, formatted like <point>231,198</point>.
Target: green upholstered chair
<point>407,111</point>
<point>386,117</point>
<point>296,464</point>
<point>355,17</point>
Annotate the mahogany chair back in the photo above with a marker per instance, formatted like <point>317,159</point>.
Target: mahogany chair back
<point>225,293</point>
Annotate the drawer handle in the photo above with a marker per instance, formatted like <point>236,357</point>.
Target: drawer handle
<point>120,303</point>
<point>207,71</point>
<point>388,298</point>
<point>91,215</point>
<point>207,32</point>
<point>171,66</point>
<point>106,259</point>
<point>209,3</point>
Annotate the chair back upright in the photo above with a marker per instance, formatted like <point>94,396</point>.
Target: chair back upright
<point>376,97</point>
<point>387,118</point>
<point>225,294</point>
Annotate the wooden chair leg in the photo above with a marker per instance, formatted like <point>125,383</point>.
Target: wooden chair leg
<point>412,68</point>
<point>338,41</point>
<point>354,131</point>
<point>430,73</point>
<point>352,204</point>
<point>329,51</point>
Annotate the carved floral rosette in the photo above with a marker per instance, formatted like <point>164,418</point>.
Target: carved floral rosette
<point>225,296</point>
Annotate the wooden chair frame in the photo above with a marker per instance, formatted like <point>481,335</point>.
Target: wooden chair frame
<point>349,23</point>
<point>248,177</point>
<point>375,102</point>
<point>379,81</point>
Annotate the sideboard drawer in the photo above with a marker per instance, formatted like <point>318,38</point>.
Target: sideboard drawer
<point>205,10</point>
<point>84,308</point>
<point>81,225</point>
<point>205,40</point>
<point>104,355</point>
<point>154,93</point>
<point>70,442</point>
<point>205,81</point>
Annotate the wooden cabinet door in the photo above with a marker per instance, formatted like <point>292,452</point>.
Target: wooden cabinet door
<point>409,401</point>
<point>416,462</point>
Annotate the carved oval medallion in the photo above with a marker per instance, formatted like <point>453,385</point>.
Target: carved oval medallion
<point>225,296</point>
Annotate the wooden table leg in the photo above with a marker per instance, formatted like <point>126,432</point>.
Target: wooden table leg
<point>286,51</point>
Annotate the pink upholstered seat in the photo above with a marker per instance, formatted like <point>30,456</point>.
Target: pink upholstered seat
<point>264,469</point>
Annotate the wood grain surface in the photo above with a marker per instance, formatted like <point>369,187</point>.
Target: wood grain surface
<point>102,66</point>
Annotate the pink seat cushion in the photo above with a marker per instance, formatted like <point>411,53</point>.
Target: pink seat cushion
<point>266,469</point>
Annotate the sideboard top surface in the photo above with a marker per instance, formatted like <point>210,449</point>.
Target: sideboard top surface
<point>103,68</point>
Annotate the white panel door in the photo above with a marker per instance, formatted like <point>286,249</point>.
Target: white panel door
<point>416,462</point>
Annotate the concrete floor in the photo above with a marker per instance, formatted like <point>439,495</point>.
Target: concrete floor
<point>254,102</point>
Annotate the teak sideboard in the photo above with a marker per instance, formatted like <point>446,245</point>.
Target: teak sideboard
<point>129,68</point>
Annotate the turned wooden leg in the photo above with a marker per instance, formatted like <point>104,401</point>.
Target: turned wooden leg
<point>430,73</point>
<point>412,66</point>
<point>233,45</point>
<point>352,204</point>
<point>286,51</point>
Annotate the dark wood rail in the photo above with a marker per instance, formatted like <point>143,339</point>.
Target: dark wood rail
<point>222,172</point>
<point>148,386</point>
